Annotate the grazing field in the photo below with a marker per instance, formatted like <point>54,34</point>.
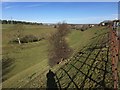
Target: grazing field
<point>31,59</point>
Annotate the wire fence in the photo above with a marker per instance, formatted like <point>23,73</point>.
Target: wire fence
<point>114,51</point>
<point>89,68</point>
<point>94,66</point>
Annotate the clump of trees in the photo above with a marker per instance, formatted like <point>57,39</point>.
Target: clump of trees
<point>27,39</point>
<point>59,49</point>
<point>19,22</point>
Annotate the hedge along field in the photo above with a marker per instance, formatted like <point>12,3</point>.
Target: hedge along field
<point>31,59</point>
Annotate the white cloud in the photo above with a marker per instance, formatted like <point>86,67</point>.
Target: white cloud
<point>8,6</point>
<point>32,5</point>
<point>36,5</point>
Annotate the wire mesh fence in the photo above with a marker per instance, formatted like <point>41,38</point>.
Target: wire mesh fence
<point>93,66</point>
<point>89,68</point>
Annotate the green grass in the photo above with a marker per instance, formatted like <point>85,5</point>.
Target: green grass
<point>119,28</point>
<point>77,40</point>
<point>32,58</point>
<point>37,30</point>
<point>85,68</point>
<point>26,55</point>
<point>80,77</point>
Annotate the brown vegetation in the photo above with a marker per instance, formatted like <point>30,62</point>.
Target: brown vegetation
<point>59,49</point>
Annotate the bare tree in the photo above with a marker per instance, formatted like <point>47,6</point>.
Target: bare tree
<point>18,28</point>
<point>59,49</point>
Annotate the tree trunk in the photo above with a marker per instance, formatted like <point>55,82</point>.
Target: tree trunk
<point>19,40</point>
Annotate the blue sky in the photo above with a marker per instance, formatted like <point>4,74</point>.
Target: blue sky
<point>54,12</point>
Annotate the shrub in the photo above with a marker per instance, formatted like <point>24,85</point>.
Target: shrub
<point>77,28</point>
<point>27,38</point>
<point>82,29</point>
<point>59,48</point>
<point>55,26</point>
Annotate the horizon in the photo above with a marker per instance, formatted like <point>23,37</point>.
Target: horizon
<point>54,12</point>
<point>56,22</point>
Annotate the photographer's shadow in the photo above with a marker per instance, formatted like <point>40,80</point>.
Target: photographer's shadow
<point>51,80</point>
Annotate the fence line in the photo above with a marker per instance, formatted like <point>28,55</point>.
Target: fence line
<point>98,49</point>
<point>114,50</point>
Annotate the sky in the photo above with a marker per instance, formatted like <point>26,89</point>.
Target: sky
<point>60,0</point>
<point>54,12</point>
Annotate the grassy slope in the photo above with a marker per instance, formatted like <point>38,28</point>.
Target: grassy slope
<point>26,55</point>
<point>31,59</point>
<point>77,40</point>
<point>79,77</point>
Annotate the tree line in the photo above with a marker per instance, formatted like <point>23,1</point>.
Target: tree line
<point>19,22</point>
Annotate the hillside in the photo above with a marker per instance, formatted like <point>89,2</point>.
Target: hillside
<point>31,59</point>
<point>87,68</point>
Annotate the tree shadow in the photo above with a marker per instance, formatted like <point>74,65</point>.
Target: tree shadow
<point>79,55</point>
<point>51,81</point>
<point>96,73</point>
<point>7,66</point>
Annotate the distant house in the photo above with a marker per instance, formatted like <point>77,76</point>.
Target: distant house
<point>105,23</point>
<point>117,22</point>
<point>91,25</point>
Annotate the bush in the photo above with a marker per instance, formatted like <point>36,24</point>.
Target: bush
<point>82,29</point>
<point>27,38</point>
<point>59,49</point>
<point>77,28</point>
<point>55,26</point>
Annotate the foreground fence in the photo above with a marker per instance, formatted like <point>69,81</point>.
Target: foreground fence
<point>89,68</point>
<point>114,52</point>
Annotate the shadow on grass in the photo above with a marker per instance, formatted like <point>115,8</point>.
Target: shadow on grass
<point>95,49</point>
<point>51,84</point>
<point>7,66</point>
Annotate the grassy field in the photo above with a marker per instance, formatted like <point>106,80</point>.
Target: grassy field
<point>89,68</point>
<point>26,55</point>
<point>31,59</point>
